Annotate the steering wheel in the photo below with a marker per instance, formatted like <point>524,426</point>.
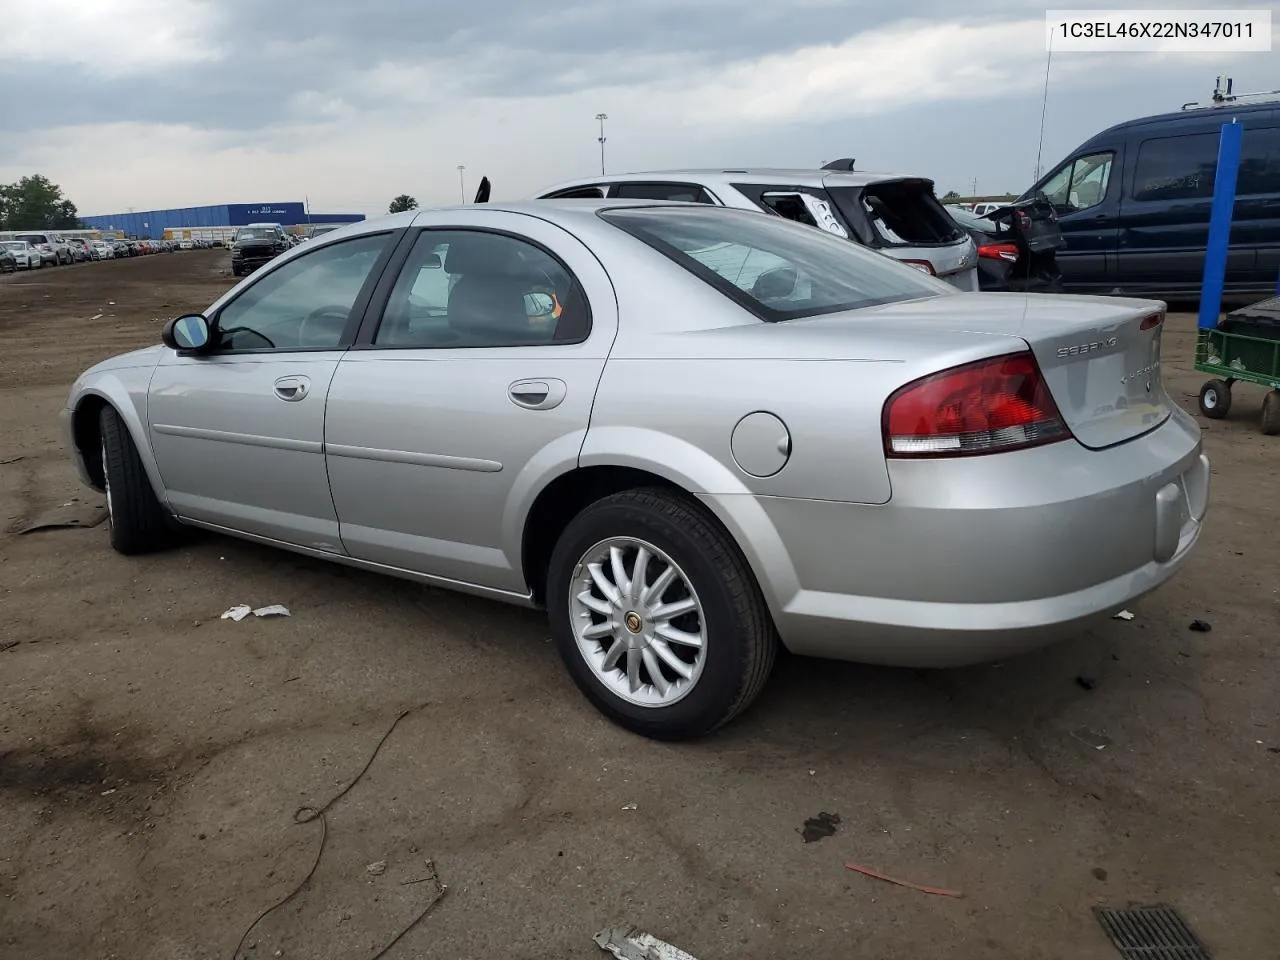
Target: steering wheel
<point>323,326</point>
<point>222,332</point>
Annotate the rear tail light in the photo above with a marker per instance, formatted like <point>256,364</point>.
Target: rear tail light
<point>991,406</point>
<point>999,251</point>
<point>924,266</point>
<point>1153,321</point>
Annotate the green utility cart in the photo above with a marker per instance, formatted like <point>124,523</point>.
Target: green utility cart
<point>1244,346</point>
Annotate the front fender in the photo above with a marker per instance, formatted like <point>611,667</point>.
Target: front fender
<point>126,391</point>
<point>717,487</point>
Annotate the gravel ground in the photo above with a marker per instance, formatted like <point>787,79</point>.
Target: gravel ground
<point>152,756</point>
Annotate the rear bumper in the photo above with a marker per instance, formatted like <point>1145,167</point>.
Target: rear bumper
<point>972,560</point>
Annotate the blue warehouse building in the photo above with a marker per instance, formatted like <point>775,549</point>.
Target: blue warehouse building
<point>216,221</point>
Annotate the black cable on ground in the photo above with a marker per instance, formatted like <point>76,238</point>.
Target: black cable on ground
<point>306,814</point>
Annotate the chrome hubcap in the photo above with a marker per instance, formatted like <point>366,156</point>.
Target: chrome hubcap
<point>1210,399</point>
<point>106,486</point>
<point>638,622</point>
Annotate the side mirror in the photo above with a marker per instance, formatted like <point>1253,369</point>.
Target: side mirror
<point>190,332</point>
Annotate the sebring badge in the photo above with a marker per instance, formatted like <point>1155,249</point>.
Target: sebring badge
<point>1080,349</point>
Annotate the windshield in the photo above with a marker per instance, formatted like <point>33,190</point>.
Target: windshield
<point>32,237</point>
<point>777,269</point>
<point>14,244</point>
<point>256,233</point>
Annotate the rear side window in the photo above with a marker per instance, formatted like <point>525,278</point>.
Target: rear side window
<point>683,192</point>
<point>903,214</point>
<point>1259,162</point>
<point>1176,168</point>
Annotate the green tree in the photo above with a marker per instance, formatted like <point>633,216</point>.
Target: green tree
<point>402,203</point>
<point>951,195</point>
<point>35,203</point>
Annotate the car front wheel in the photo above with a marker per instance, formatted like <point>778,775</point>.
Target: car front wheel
<point>138,522</point>
<point>657,616</point>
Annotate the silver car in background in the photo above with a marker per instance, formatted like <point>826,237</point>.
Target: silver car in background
<point>690,433</point>
<point>25,255</point>
<point>898,216</point>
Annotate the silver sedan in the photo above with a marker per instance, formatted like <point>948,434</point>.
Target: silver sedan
<point>690,433</point>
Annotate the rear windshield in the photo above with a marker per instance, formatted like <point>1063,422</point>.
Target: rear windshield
<point>903,214</point>
<point>777,269</point>
<point>32,237</point>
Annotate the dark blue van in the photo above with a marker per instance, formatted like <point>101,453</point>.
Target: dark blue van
<point>1133,203</point>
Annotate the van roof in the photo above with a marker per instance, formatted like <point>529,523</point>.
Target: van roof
<point>1253,111</point>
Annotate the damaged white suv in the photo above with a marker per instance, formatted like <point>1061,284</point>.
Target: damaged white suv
<point>897,215</point>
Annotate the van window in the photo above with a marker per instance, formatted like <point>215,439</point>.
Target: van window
<point>1176,168</point>
<point>1081,184</point>
<point>1259,162</point>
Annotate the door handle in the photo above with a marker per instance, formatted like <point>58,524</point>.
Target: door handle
<point>541,394</point>
<point>292,389</point>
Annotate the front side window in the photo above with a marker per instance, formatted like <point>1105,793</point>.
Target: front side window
<point>777,269</point>
<point>1081,184</point>
<point>472,288</point>
<point>305,303</point>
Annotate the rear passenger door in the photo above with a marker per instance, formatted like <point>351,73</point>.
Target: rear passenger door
<point>663,190</point>
<point>470,383</point>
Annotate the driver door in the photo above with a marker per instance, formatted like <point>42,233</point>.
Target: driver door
<point>238,431</point>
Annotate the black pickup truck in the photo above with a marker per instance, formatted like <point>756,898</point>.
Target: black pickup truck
<point>255,245</point>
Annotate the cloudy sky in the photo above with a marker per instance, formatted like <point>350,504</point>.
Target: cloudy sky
<point>157,103</point>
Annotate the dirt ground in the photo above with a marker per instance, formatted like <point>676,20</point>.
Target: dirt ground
<point>152,756</point>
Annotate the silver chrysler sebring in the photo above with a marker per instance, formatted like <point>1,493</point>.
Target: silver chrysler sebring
<point>690,433</point>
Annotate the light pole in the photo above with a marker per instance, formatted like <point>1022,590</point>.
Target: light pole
<point>462,184</point>
<point>602,117</point>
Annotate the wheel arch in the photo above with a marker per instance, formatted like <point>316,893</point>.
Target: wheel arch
<point>86,432</point>
<point>625,458</point>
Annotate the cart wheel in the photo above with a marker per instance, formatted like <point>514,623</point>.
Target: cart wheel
<point>1215,399</point>
<point>1271,413</point>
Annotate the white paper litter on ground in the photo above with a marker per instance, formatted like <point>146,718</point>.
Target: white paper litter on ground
<point>274,610</point>
<point>1123,615</point>
<point>238,612</point>
<point>629,943</point>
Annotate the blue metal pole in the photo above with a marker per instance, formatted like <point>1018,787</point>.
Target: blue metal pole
<point>1224,201</point>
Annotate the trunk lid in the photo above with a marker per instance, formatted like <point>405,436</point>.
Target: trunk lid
<point>1101,366</point>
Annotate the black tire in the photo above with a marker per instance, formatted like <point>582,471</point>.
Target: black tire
<point>740,643</point>
<point>1271,413</point>
<point>236,272</point>
<point>138,522</point>
<point>1215,399</point>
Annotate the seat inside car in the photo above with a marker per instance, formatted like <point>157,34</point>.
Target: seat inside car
<point>487,302</point>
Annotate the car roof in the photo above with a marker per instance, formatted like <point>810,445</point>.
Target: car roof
<point>782,176</point>
<point>556,211</point>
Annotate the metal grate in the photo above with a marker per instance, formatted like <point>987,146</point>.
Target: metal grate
<point>1151,933</point>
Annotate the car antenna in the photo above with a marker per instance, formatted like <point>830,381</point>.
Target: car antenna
<point>482,193</point>
<point>1225,95</point>
<point>845,163</point>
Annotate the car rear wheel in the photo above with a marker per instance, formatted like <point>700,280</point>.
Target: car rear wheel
<point>138,522</point>
<point>657,616</point>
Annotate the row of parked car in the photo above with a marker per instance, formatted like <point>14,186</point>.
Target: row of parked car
<point>32,251</point>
